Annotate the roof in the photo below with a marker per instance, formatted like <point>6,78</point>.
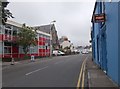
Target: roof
<point>14,23</point>
<point>20,25</point>
<point>44,28</point>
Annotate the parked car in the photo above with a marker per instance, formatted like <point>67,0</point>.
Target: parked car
<point>84,52</point>
<point>58,53</point>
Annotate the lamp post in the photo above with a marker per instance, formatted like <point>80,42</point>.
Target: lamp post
<point>51,37</point>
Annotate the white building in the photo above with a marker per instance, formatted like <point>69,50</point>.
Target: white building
<point>66,44</point>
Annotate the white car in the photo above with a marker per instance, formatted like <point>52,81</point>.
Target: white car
<point>58,53</point>
<point>61,53</point>
<point>84,52</point>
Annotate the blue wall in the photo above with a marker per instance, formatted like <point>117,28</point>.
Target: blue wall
<point>112,39</point>
<point>96,32</point>
<point>119,43</point>
<point>106,47</point>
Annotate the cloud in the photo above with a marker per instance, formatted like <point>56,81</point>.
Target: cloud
<point>72,18</point>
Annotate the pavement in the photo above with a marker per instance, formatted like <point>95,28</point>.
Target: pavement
<point>96,77</point>
<point>27,61</point>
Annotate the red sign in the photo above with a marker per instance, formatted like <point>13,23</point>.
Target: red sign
<point>97,18</point>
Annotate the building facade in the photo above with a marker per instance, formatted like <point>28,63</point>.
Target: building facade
<point>66,44</point>
<point>50,29</point>
<point>9,48</point>
<point>106,38</point>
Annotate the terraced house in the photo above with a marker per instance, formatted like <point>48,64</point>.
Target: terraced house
<point>9,48</point>
<point>105,36</point>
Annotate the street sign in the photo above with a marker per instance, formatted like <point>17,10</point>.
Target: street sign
<point>97,18</point>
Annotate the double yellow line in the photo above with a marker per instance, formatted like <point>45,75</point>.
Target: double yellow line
<point>81,76</point>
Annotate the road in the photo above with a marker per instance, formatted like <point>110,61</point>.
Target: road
<point>61,71</point>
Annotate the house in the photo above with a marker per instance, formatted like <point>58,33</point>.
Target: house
<point>66,44</point>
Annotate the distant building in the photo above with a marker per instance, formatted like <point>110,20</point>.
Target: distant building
<point>66,44</point>
<point>50,29</point>
<point>63,38</point>
<point>72,48</point>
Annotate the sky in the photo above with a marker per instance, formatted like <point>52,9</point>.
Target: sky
<point>73,18</point>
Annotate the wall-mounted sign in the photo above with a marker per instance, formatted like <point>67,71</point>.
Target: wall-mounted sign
<point>97,18</point>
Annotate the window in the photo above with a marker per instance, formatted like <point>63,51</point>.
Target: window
<point>14,33</point>
<point>0,29</point>
<point>40,47</point>
<point>7,44</point>
<point>7,49</point>
<point>44,47</point>
<point>7,32</point>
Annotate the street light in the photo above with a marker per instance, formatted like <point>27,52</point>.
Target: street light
<point>51,37</point>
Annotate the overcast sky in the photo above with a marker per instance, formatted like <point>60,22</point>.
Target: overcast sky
<point>73,19</point>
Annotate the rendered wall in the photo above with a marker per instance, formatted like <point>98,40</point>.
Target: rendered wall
<point>112,39</point>
<point>112,23</point>
<point>96,32</point>
<point>119,44</point>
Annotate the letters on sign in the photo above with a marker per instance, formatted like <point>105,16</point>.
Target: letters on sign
<point>97,18</point>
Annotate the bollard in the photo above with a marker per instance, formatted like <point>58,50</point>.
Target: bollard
<point>32,58</point>
<point>12,61</point>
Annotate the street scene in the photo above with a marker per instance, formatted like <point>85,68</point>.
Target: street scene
<point>59,44</point>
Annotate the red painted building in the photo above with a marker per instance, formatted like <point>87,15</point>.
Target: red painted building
<point>9,48</point>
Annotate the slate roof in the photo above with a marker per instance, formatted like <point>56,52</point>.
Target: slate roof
<point>44,28</point>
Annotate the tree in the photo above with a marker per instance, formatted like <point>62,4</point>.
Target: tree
<point>26,38</point>
<point>5,12</point>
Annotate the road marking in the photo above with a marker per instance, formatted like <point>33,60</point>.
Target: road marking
<point>36,70</point>
<point>81,75</point>
<point>58,62</point>
<point>83,78</point>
